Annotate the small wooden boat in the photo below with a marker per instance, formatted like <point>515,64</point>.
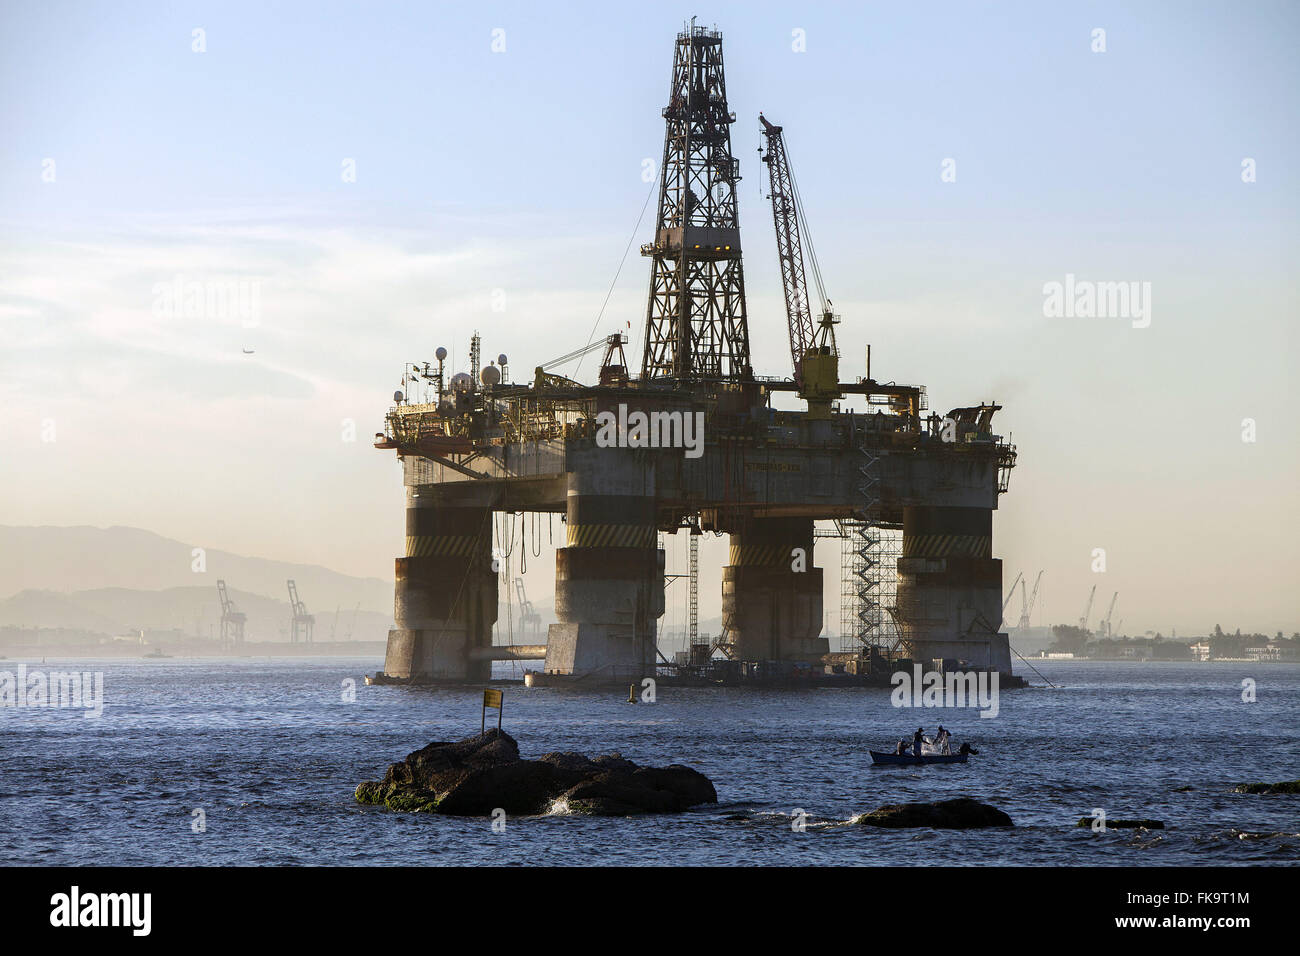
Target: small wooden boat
<point>908,759</point>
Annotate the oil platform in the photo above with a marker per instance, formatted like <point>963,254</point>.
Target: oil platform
<point>692,443</point>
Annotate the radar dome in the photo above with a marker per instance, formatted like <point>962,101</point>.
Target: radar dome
<point>490,375</point>
<point>461,382</point>
<point>501,359</point>
<point>441,353</point>
<point>398,396</point>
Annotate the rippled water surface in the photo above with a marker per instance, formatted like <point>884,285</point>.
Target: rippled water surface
<point>271,753</point>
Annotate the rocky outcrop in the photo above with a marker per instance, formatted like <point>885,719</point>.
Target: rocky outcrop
<point>484,773</point>
<point>961,813</point>
<point>1286,786</point>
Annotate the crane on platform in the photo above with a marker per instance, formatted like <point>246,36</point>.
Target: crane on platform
<point>812,348</point>
<point>1087,608</point>
<point>613,344</point>
<point>302,623</point>
<point>1027,608</point>
<point>232,619</point>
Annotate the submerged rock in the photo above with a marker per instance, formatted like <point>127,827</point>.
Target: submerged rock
<point>1286,786</point>
<point>1124,824</point>
<point>476,776</point>
<point>961,813</point>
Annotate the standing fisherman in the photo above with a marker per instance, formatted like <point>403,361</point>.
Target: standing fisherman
<point>941,740</point>
<point>916,741</point>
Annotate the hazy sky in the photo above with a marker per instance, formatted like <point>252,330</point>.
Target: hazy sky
<point>130,162</point>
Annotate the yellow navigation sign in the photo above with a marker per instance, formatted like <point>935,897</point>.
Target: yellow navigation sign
<point>492,698</point>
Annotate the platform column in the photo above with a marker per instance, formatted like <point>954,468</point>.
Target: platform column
<point>772,594</point>
<point>446,596</point>
<point>950,587</point>
<point>609,579</point>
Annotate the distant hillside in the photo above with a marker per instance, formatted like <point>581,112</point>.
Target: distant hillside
<point>51,609</point>
<point>193,610</point>
<point>84,558</point>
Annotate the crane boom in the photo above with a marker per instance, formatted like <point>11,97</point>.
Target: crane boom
<point>1011,593</point>
<point>813,352</point>
<point>789,248</point>
<point>1109,611</point>
<point>1027,607</point>
<point>1087,608</point>
<point>1033,595</point>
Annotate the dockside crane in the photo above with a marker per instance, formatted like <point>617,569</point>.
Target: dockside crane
<point>1105,625</point>
<point>812,346</point>
<point>530,622</point>
<point>1087,608</point>
<point>1010,594</point>
<point>1028,608</point>
<point>302,624</point>
<point>232,619</point>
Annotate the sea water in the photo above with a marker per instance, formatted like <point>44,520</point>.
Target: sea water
<point>247,762</point>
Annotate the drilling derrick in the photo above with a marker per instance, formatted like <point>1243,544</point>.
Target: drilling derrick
<point>696,325</point>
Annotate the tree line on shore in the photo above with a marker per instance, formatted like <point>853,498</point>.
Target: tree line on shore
<point>1071,639</point>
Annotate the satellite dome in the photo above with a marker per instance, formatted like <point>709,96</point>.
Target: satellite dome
<point>490,375</point>
<point>398,396</point>
<point>441,353</point>
<point>461,382</point>
<point>501,359</point>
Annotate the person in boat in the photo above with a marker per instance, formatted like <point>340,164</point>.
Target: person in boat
<point>917,738</point>
<point>967,749</point>
<point>901,749</point>
<point>941,740</point>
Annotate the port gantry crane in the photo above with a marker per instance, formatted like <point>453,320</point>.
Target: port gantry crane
<point>232,619</point>
<point>530,622</point>
<point>303,622</point>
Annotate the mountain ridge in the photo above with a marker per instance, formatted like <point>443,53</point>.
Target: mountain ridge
<point>73,558</point>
